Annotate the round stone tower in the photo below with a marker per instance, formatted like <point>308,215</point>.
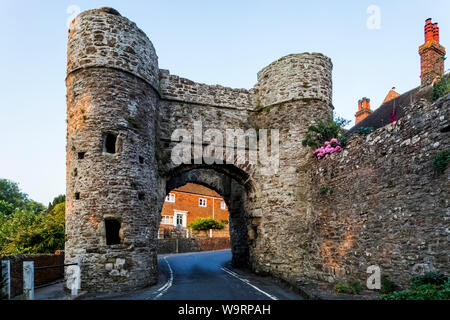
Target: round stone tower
<point>291,94</point>
<point>111,179</point>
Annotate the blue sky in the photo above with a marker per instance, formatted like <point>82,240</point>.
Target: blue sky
<point>214,42</point>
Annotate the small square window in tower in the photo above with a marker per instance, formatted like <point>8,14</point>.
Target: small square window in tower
<point>110,143</point>
<point>112,229</point>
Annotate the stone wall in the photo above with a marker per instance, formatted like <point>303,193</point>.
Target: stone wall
<point>388,206</point>
<point>181,89</point>
<point>43,276</point>
<point>183,245</point>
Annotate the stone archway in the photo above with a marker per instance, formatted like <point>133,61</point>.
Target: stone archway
<point>121,112</point>
<point>232,184</point>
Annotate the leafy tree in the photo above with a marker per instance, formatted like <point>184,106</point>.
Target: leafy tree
<point>16,232</point>
<point>11,199</point>
<point>58,199</point>
<point>25,232</point>
<point>26,226</point>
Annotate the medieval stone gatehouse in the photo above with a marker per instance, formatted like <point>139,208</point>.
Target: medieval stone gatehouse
<point>122,110</point>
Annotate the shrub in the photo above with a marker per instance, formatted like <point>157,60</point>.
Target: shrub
<point>342,287</point>
<point>440,88</point>
<point>387,286</point>
<point>428,278</point>
<point>422,292</point>
<point>441,160</point>
<point>324,130</point>
<point>205,224</point>
<point>430,286</point>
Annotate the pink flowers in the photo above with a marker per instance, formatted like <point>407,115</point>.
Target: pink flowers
<point>329,147</point>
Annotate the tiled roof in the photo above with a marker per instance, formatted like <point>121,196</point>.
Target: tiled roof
<point>197,189</point>
<point>391,95</point>
<point>383,115</point>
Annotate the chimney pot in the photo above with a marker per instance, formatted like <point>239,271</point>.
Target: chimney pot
<point>430,52</point>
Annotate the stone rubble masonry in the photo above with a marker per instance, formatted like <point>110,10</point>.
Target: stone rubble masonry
<point>192,245</point>
<point>279,223</point>
<point>388,207</point>
<point>294,77</point>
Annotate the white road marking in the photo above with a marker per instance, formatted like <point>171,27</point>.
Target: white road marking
<point>168,284</point>
<point>248,282</point>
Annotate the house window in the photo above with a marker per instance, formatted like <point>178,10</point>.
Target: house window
<point>179,219</point>
<point>170,198</point>
<point>202,202</point>
<point>222,205</point>
<point>167,220</point>
<point>112,228</point>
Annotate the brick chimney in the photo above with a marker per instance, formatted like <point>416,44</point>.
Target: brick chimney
<point>363,109</point>
<point>431,55</point>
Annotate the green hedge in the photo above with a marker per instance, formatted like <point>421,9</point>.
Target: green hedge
<point>205,224</point>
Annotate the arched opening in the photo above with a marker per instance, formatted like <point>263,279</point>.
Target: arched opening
<point>194,211</point>
<point>230,187</point>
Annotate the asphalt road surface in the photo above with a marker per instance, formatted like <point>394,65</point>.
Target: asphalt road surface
<point>208,276</point>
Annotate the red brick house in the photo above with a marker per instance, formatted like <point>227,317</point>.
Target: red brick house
<point>185,204</point>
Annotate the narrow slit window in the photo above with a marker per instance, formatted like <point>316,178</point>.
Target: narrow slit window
<point>77,196</point>
<point>112,228</point>
<point>141,160</point>
<point>81,155</point>
<point>110,143</point>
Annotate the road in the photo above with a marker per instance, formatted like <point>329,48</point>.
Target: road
<point>207,276</point>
